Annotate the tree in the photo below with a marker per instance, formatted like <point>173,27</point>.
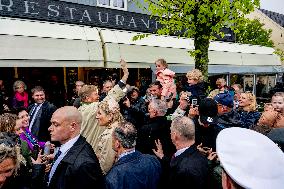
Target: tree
<point>198,19</point>
<point>252,32</point>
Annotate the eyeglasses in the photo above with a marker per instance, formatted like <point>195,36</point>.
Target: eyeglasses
<point>19,87</point>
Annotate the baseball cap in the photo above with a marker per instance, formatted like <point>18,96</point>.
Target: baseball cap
<point>251,159</point>
<point>225,99</point>
<point>208,111</point>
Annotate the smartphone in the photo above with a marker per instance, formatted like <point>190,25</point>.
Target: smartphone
<point>46,150</point>
<point>169,97</point>
<point>206,148</point>
<point>194,102</point>
<point>35,151</point>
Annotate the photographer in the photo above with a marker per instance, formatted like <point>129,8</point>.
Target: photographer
<point>133,107</point>
<point>187,105</point>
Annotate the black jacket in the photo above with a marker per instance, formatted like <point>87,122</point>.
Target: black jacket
<point>79,169</point>
<point>156,128</point>
<point>136,113</point>
<point>189,169</point>
<point>198,91</point>
<point>42,120</point>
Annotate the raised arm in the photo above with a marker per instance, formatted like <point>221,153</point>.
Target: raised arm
<point>123,65</point>
<point>119,90</point>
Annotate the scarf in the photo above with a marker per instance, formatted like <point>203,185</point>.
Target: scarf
<point>22,97</point>
<point>30,139</point>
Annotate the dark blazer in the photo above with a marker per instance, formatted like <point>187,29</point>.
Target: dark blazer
<point>189,169</point>
<point>156,128</point>
<point>42,120</point>
<point>79,169</point>
<point>134,171</point>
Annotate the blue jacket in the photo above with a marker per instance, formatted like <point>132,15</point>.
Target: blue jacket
<point>134,171</point>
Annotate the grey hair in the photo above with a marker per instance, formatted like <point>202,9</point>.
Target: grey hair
<point>19,83</point>
<point>126,133</point>
<point>184,126</point>
<point>160,106</point>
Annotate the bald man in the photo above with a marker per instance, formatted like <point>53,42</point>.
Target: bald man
<point>75,164</point>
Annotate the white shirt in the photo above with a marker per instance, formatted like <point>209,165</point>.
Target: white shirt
<point>180,151</point>
<point>64,148</point>
<point>125,153</point>
<point>34,116</point>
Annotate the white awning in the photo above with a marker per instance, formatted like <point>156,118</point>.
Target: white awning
<point>26,43</point>
<point>143,53</point>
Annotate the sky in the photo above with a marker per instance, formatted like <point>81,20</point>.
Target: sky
<point>273,5</point>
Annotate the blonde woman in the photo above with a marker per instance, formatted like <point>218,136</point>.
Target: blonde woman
<point>20,99</point>
<point>108,116</point>
<point>90,128</point>
<point>248,115</point>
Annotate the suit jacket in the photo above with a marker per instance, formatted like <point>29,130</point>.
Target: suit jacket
<point>79,169</point>
<point>156,128</point>
<point>42,121</point>
<point>134,171</point>
<point>189,169</point>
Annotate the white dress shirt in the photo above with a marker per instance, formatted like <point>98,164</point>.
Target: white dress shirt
<point>180,151</point>
<point>64,148</point>
<point>34,112</point>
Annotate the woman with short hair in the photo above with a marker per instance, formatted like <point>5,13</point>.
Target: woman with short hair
<point>21,98</point>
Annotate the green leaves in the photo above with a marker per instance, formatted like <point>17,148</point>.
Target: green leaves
<point>252,32</point>
<point>199,18</point>
<point>140,36</point>
<point>280,53</point>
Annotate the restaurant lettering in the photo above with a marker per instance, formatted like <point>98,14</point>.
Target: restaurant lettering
<point>59,11</point>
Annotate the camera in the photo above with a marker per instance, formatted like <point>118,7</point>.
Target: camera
<point>194,102</point>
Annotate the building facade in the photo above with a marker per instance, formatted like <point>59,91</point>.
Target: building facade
<point>80,39</point>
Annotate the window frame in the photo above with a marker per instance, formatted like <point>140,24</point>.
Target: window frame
<point>113,7</point>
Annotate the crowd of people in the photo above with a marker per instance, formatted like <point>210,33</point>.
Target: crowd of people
<point>116,138</point>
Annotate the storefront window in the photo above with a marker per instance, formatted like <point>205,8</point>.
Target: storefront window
<point>264,84</point>
<point>114,4</point>
<point>248,83</point>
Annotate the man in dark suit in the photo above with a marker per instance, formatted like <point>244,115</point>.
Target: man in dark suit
<point>188,167</point>
<point>156,127</point>
<point>75,165</point>
<point>40,113</point>
<point>133,169</point>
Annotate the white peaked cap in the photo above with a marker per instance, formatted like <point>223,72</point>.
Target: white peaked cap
<point>251,159</point>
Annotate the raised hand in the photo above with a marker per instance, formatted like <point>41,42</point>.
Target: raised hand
<point>123,65</point>
<point>40,158</point>
<point>212,156</point>
<point>159,152</point>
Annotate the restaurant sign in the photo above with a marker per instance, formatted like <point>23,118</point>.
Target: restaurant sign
<point>59,11</point>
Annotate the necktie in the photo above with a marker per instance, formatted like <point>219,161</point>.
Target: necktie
<point>54,165</point>
<point>33,111</point>
<point>56,156</point>
<point>32,116</point>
